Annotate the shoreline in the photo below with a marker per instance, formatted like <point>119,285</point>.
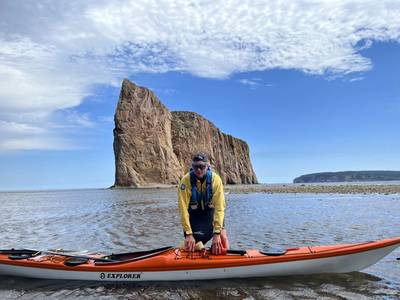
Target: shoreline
<point>339,188</point>
<point>314,188</point>
<point>289,188</point>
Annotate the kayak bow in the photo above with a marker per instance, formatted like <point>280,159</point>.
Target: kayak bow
<point>170,264</point>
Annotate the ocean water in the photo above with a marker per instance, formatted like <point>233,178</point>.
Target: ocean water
<point>129,220</point>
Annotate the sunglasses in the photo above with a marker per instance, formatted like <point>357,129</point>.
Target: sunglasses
<point>199,166</point>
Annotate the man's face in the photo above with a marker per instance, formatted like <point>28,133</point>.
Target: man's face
<point>199,168</point>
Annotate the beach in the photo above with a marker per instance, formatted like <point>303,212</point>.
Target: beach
<point>332,188</point>
<point>383,188</point>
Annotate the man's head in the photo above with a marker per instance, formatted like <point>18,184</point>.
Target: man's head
<point>199,164</point>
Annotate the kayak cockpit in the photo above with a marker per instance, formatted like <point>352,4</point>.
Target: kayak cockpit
<point>131,256</point>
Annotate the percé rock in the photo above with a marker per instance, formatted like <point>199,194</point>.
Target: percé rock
<point>349,176</point>
<point>142,140</point>
<point>153,146</point>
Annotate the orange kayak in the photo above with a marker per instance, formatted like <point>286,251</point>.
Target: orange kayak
<point>171,264</point>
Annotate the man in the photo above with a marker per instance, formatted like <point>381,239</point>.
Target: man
<point>201,203</point>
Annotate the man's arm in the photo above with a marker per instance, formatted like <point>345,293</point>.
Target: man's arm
<point>183,204</point>
<point>218,201</point>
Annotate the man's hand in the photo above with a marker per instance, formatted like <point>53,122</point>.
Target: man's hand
<point>216,247</point>
<point>189,243</point>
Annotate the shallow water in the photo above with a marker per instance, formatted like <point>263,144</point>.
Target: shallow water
<point>129,220</point>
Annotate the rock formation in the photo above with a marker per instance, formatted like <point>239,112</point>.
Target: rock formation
<point>142,140</point>
<point>229,156</point>
<point>153,146</point>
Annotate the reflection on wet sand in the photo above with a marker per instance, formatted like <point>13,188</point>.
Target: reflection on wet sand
<point>355,285</point>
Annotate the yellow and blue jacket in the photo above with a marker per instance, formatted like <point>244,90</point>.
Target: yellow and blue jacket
<point>217,201</point>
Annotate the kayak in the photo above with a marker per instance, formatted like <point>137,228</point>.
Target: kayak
<point>172,264</point>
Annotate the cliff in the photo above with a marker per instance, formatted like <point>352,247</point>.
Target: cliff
<point>228,155</point>
<point>349,176</point>
<point>153,146</point>
<point>142,140</point>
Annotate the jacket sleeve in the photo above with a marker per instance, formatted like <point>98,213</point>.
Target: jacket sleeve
<point>183,204</point>
<point>218,201</point>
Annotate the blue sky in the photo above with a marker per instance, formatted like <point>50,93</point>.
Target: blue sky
<point>316,89</point>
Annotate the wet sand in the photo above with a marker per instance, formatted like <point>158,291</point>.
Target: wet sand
<point>385,189</point>
<point>328,188</point>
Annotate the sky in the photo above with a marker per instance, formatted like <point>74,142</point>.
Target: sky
<point>311,86</point>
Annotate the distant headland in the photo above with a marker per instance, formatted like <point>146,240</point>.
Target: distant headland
<point>349,176</point>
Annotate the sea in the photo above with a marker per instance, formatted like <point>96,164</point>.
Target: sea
<point>112,221</point>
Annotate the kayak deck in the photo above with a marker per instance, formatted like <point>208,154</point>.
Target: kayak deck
<point>175,264</point>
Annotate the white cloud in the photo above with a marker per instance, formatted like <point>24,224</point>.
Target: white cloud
<point>254,82</point>
<point>36,143</point>
<point>19,128</point>
<point>61,49</point>
<point>22,136</point>
<point>82,120</point>
<point>250,82</point>
<point>356,79</point>
<point>106,119</point>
